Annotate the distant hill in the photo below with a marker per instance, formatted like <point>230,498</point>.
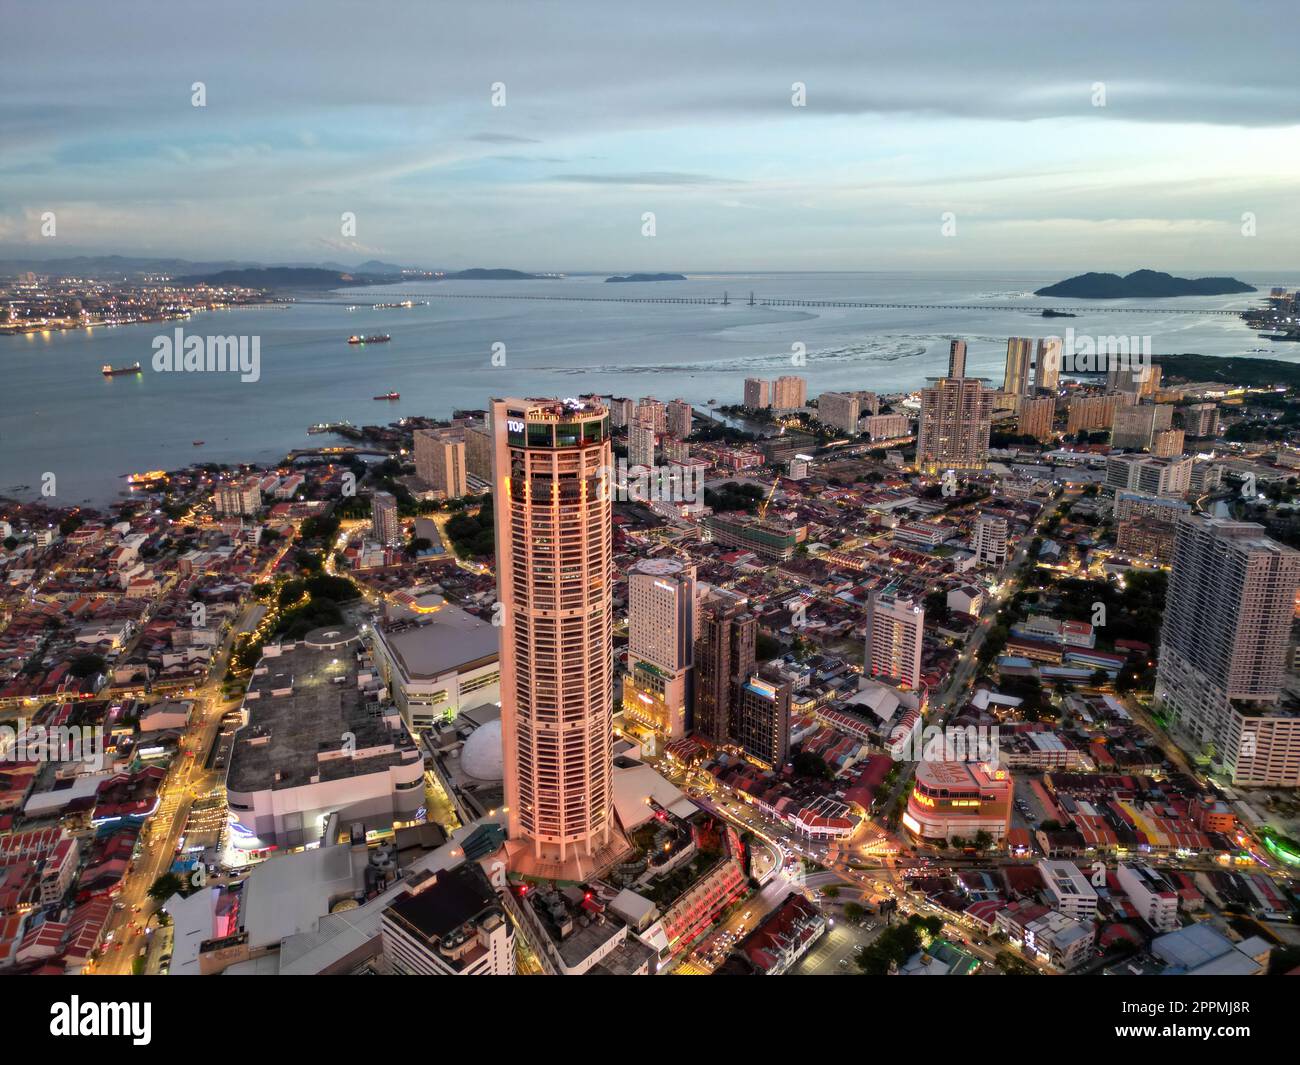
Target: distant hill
<point>284,277</point>
<point>1150,284</point>
<point>646,277</point>
<point>1231,369</point>
<point>114,266</point>
<point>478,273</point>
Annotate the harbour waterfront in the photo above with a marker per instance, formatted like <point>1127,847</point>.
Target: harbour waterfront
<point>64,416</point>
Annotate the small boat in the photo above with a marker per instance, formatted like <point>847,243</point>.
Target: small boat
<point>390,395</point>
<point>377,338</point>
<point>197,443</point>
<point>109,370</point>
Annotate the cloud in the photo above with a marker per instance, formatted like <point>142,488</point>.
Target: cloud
<point>650,177</point>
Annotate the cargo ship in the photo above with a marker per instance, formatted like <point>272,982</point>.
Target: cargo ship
<point>378,338</point>
<point>390,395</point>
<point>108,370</point>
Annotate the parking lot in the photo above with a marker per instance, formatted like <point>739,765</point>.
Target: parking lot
<point>833,953</point>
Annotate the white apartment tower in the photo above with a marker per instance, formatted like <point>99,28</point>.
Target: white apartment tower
<point>895,626</point>
<point>989,540</point>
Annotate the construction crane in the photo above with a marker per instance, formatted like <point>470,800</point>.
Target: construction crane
<point>762,510</point>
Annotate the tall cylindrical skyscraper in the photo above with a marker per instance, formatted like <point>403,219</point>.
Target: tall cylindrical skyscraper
<point>554,546</point>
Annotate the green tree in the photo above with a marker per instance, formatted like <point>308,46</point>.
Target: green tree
<point>166,886</point>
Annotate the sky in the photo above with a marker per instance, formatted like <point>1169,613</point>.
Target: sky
<point>941,136</point>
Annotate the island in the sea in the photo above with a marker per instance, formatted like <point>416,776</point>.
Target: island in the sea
<point>1151,284</point>
<point>478,273</point>
<point>645,277</point>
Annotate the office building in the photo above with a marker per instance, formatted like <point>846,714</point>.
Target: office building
<point>1224,647</point>
<point>440,460</point>
<point>895,626</point>
<point>449,924</point>
<point>661,647</point>
<point>678,419</point>
<point>1036,417</point>
<point>1149,475</point>
<point>385,523</point>
<point>1069,890</point>
<point>989,540</point>
<point>761,724</point>
<point>555,576</point>
<point>1015,380</point>
<point>956,414</point>
<point>724,655</point>
<point>757,393</point>
<point>789,393</point>
<point>958,800</point>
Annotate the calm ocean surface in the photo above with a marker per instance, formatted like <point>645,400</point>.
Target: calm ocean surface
<point>61,415</point>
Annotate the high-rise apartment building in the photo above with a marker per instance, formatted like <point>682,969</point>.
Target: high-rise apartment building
<point>895,626</point>
<point>640,445</point>
<point>1047,364</point>
<point>989,540</point>
<point>555,575</point>
<point>724,655</point>
<point>478,452</point>
<point>678,419</point>
<point>757,393</point>
<point>241,497</point>
<point>440,460</point>
<point>1095,413</point>
<point>1015,380</point>
<point>957,358</point>
<point>621,411</point>
<point>661,646</point>
<point>1135,427</point>
<point>1223,648</point>
<point>649,411</point>
<point>956,414</point>
<point>1036,417</point>
<point>789,393</point>
<point>1167,443</point>
<point>887,426</point>
<point>1201,420</point>
<point>845,410</point>
<point>385,523</point>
